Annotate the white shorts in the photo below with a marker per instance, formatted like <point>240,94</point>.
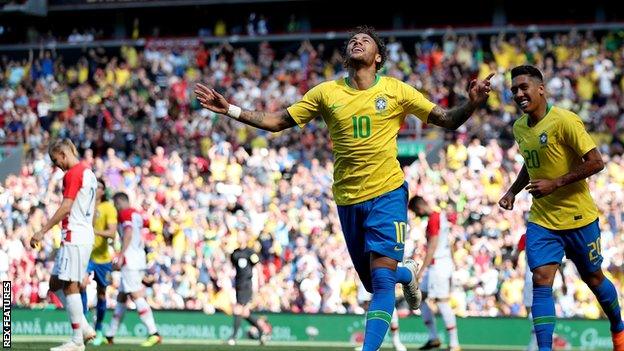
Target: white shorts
<point>131,280</point>
<point>71,262</point>
<point>436,282</point>
<point>527,295</point>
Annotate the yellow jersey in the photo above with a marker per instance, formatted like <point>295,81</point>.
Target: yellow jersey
<point>363,125</point>
<point>552,148</point>
<point>105,215</point>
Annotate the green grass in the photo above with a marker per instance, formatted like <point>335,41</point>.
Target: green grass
<point>41,343</point>
<point>32,346</point>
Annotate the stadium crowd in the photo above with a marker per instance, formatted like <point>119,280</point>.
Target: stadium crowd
<point>201,179</point>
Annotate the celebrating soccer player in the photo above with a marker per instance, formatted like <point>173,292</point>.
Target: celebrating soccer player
<point>76,216</point>
<point>364,112</point>
<point>558,156</point>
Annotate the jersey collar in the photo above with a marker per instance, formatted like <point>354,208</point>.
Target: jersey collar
<point>346,80</point>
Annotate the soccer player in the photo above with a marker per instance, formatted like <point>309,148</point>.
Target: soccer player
<point>131,261</point>
<point>244,259</point>
<point>364,112</point>
<point>436,271</point>
<point>558,156</point>
<point>76,216</point>
<point>105,227</point>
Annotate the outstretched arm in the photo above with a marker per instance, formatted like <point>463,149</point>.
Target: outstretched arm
<point>271,121</point>
<point>508,199</point>
<point>478,92</point>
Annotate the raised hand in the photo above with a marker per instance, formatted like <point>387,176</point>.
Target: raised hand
<point>507,201</point>
<point>210,99</point>
<point>479,91</point>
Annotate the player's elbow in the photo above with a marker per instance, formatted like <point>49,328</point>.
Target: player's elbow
<point>598,165</point>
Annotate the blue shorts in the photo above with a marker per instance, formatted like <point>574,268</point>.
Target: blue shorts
<point>102,272</point>
<point>580,245</point>
<point>377,225</point>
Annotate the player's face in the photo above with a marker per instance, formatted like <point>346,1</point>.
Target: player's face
<point>100,191</point>
<point>362,49</point>
<point>527,93</point>
<point>58,159</point>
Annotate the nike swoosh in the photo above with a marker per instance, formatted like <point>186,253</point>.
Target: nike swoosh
<point>396,248</point>
<point>335,106</point>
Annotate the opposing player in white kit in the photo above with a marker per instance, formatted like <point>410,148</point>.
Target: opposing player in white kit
<point>131,261</point>
<point>76,217</point>
<point>527,293</point>
<point>436,271</point>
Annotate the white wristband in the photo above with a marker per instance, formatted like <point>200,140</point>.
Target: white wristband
<point>234,111</point>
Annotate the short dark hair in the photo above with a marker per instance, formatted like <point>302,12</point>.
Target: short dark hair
<point>414,201</point>
<point>121,196</point>
<point>529,70</point>
<point>103,184</point>
<point>381,45</point>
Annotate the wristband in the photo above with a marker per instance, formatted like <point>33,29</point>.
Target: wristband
<point>234,111</point>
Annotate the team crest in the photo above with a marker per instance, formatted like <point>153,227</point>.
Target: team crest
<point>381,103</point>
<point>543,138</point>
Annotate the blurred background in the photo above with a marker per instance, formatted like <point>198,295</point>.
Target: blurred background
<point>117,78</point>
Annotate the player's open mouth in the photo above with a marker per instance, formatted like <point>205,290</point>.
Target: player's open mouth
<point>524,103</point>
<point>358,49</point>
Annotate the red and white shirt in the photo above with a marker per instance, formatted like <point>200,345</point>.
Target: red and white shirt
<point>438,225</point>
<point>135,253</point>
<point>522,243</point>
<point>80,185</point>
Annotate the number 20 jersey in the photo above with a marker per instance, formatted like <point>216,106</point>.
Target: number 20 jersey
<point>552,148</point>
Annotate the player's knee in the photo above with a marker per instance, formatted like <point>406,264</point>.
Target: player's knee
<point>55,283</point>
<point>545,275</point>
<point>71,288</point>
<point>122,298</point>
<point>593,279</point>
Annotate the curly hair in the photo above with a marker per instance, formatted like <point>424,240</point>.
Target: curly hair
<point>370,31</point>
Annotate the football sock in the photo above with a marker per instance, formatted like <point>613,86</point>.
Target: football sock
<point>146,315</point>
<point>429,320</point>
<point>608,298</point>
<point>74,310</point>
<point>100,310</point>
<point>404,275</point>
<point>543,310</point>
<point>381,307</point>
<point>118,315</point>
<point>237,324</point>
<point>450,321</point>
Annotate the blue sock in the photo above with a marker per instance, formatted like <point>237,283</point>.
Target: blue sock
<point>608,298</point>
<point>543,311</point>
<point>83,297</point>
<point>100,310</point>
<point>381,307</point>
<point>403,275</point>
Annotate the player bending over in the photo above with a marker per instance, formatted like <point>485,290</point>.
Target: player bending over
<point>436,269</point>
<point>76,216</point>
<point>558,156</point>
<point>132,262</point>
<point>364,112</point>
